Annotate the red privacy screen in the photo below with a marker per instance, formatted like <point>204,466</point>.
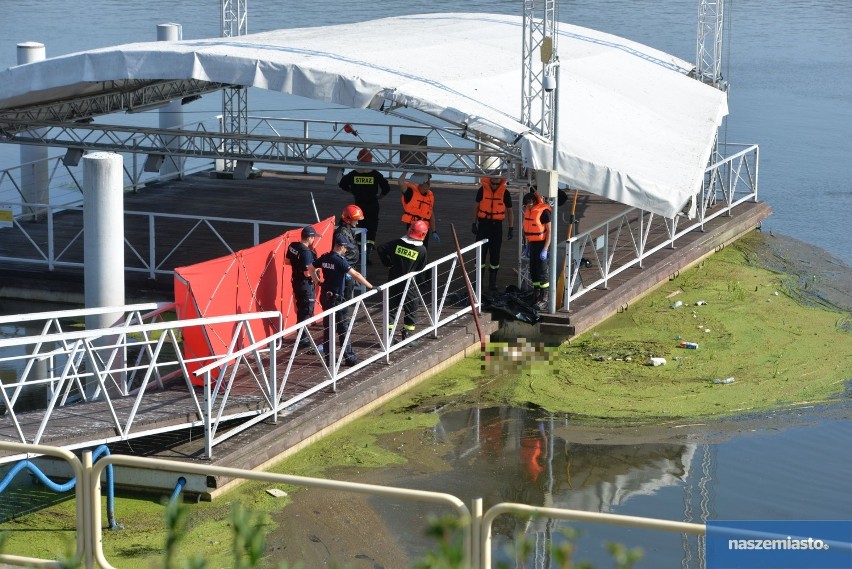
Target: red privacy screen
<point>250,280</point>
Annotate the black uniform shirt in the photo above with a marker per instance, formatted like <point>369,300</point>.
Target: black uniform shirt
<point>334,270</point>
<point>301,258</point>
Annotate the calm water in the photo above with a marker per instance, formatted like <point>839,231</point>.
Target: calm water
<point>790,73</point>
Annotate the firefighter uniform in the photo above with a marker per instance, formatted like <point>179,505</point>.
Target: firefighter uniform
<point>403,256</point>
<point>493,206</point>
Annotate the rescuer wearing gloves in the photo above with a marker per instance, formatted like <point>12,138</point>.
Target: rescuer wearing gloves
<point>537,235</point>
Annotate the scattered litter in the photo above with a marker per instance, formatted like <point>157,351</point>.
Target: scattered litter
<point>677,304</point>
<point>726,380</point>
<point>706,330</point>
<point>689,345</point>
<point>675,293</point>
<point>700,303</point>
<point>277,493</point>
<point>678,337</point>
<point>775,293</point>
<point>628,359</point>
<point>657,362</point>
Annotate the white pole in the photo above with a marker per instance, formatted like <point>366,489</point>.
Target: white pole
<point>171,116</point>
<point>34,176</point>
<point>103,235</point>
<point>103,253</point>
<point>554,226</point>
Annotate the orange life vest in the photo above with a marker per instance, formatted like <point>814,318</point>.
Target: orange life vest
<point>419,206</point>
<point>534,229</point>
<point>492,206</point>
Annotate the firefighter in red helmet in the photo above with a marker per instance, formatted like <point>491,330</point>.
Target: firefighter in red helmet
<point>349,219</point>
<point>405,255</point>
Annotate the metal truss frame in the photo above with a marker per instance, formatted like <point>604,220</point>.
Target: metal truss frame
<point>129,95</point>
<point>482,159</point>
<point>235,97</point>
<point>708,58</point>
<point>537,105</point>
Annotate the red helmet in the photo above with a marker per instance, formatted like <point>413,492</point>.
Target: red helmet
<point>352,213</point>
<point>418,230</point>
<point>364,155</point>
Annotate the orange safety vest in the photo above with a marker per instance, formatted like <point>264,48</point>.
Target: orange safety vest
<point>492,205</point>
<point>534,229</point>
<point>419,206</point>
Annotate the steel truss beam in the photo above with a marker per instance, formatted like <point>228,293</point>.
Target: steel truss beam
<point>234,98</point>
<point>475,160</point>
<point>128,95</point>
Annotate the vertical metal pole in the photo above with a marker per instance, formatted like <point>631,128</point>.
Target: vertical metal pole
<point>554,229</point>
<point>434,295</point>
<point>386,322</point>
<point>475,532</point>
<point>171,116</point>
<point>273,378</point>
<point>152,247</point>
<point>208,410</point>
<point>91,527</point>
<point>34,176</point>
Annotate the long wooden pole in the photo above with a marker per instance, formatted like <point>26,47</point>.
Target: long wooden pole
<point>560,284</point>
<point>469,290</point>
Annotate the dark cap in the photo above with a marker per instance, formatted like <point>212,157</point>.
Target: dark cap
<point>340,239</point>
<point>308,231</point>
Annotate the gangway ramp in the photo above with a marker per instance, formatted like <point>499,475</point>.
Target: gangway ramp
<point>132,381</point>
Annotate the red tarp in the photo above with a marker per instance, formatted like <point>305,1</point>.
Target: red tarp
<point>250,280</point>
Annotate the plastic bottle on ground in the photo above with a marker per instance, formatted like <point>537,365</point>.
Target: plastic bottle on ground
<point>689,345</point>
<point>723,381</point>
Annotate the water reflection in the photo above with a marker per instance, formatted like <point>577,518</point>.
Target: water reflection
<point>526,456</point>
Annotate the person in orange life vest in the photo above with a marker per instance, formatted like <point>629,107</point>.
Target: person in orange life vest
<point>493,204</point>
<point>418,202</point>
<point>349,219</point>
<point>537,235</point>
<point>334,271</point>
<point>367,186</point>
<point>303,277</point>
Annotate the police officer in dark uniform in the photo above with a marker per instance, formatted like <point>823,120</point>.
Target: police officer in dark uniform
<point>405,255</point>
<point>349,219</point>
<point>334,271</point>
<point>303,277</point>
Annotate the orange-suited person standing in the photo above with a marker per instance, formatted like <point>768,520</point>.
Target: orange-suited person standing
<point>367,185</point>
<point>537,235</point>
<point>418,203</point>
<point>493,205</point>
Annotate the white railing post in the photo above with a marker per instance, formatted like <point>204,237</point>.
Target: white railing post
<point>273,379</point>
<point>386,335</point>
<point>434,298</point>
<point>208,411</point>
<point>51,248</point>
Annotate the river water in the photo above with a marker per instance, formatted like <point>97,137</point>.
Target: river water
<point>790,74</point>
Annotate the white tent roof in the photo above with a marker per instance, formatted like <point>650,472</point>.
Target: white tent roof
<point>632,126</point>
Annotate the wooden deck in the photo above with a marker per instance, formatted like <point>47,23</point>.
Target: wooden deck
<point>287,198</point>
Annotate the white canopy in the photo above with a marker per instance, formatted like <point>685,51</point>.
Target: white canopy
<point>632,126</point>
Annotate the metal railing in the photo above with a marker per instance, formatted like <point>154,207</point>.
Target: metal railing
<point>56,249</point>
<point>476,524</point>
<point>626,239</point>
<point>122,365</point>
<point>438,289</point>
<point>118,366</point>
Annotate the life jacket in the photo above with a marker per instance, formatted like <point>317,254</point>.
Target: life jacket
<point>538,198</point>
<point>492,205</point>
<point>534,229</point>
<point>419,206</point>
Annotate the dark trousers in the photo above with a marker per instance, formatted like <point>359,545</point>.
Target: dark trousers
<point>492,230</point>
<point>327,301</point>
<point>409,304</point>
<point>538,268</point>
<point>371,220</point>
<point>305,296</point>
